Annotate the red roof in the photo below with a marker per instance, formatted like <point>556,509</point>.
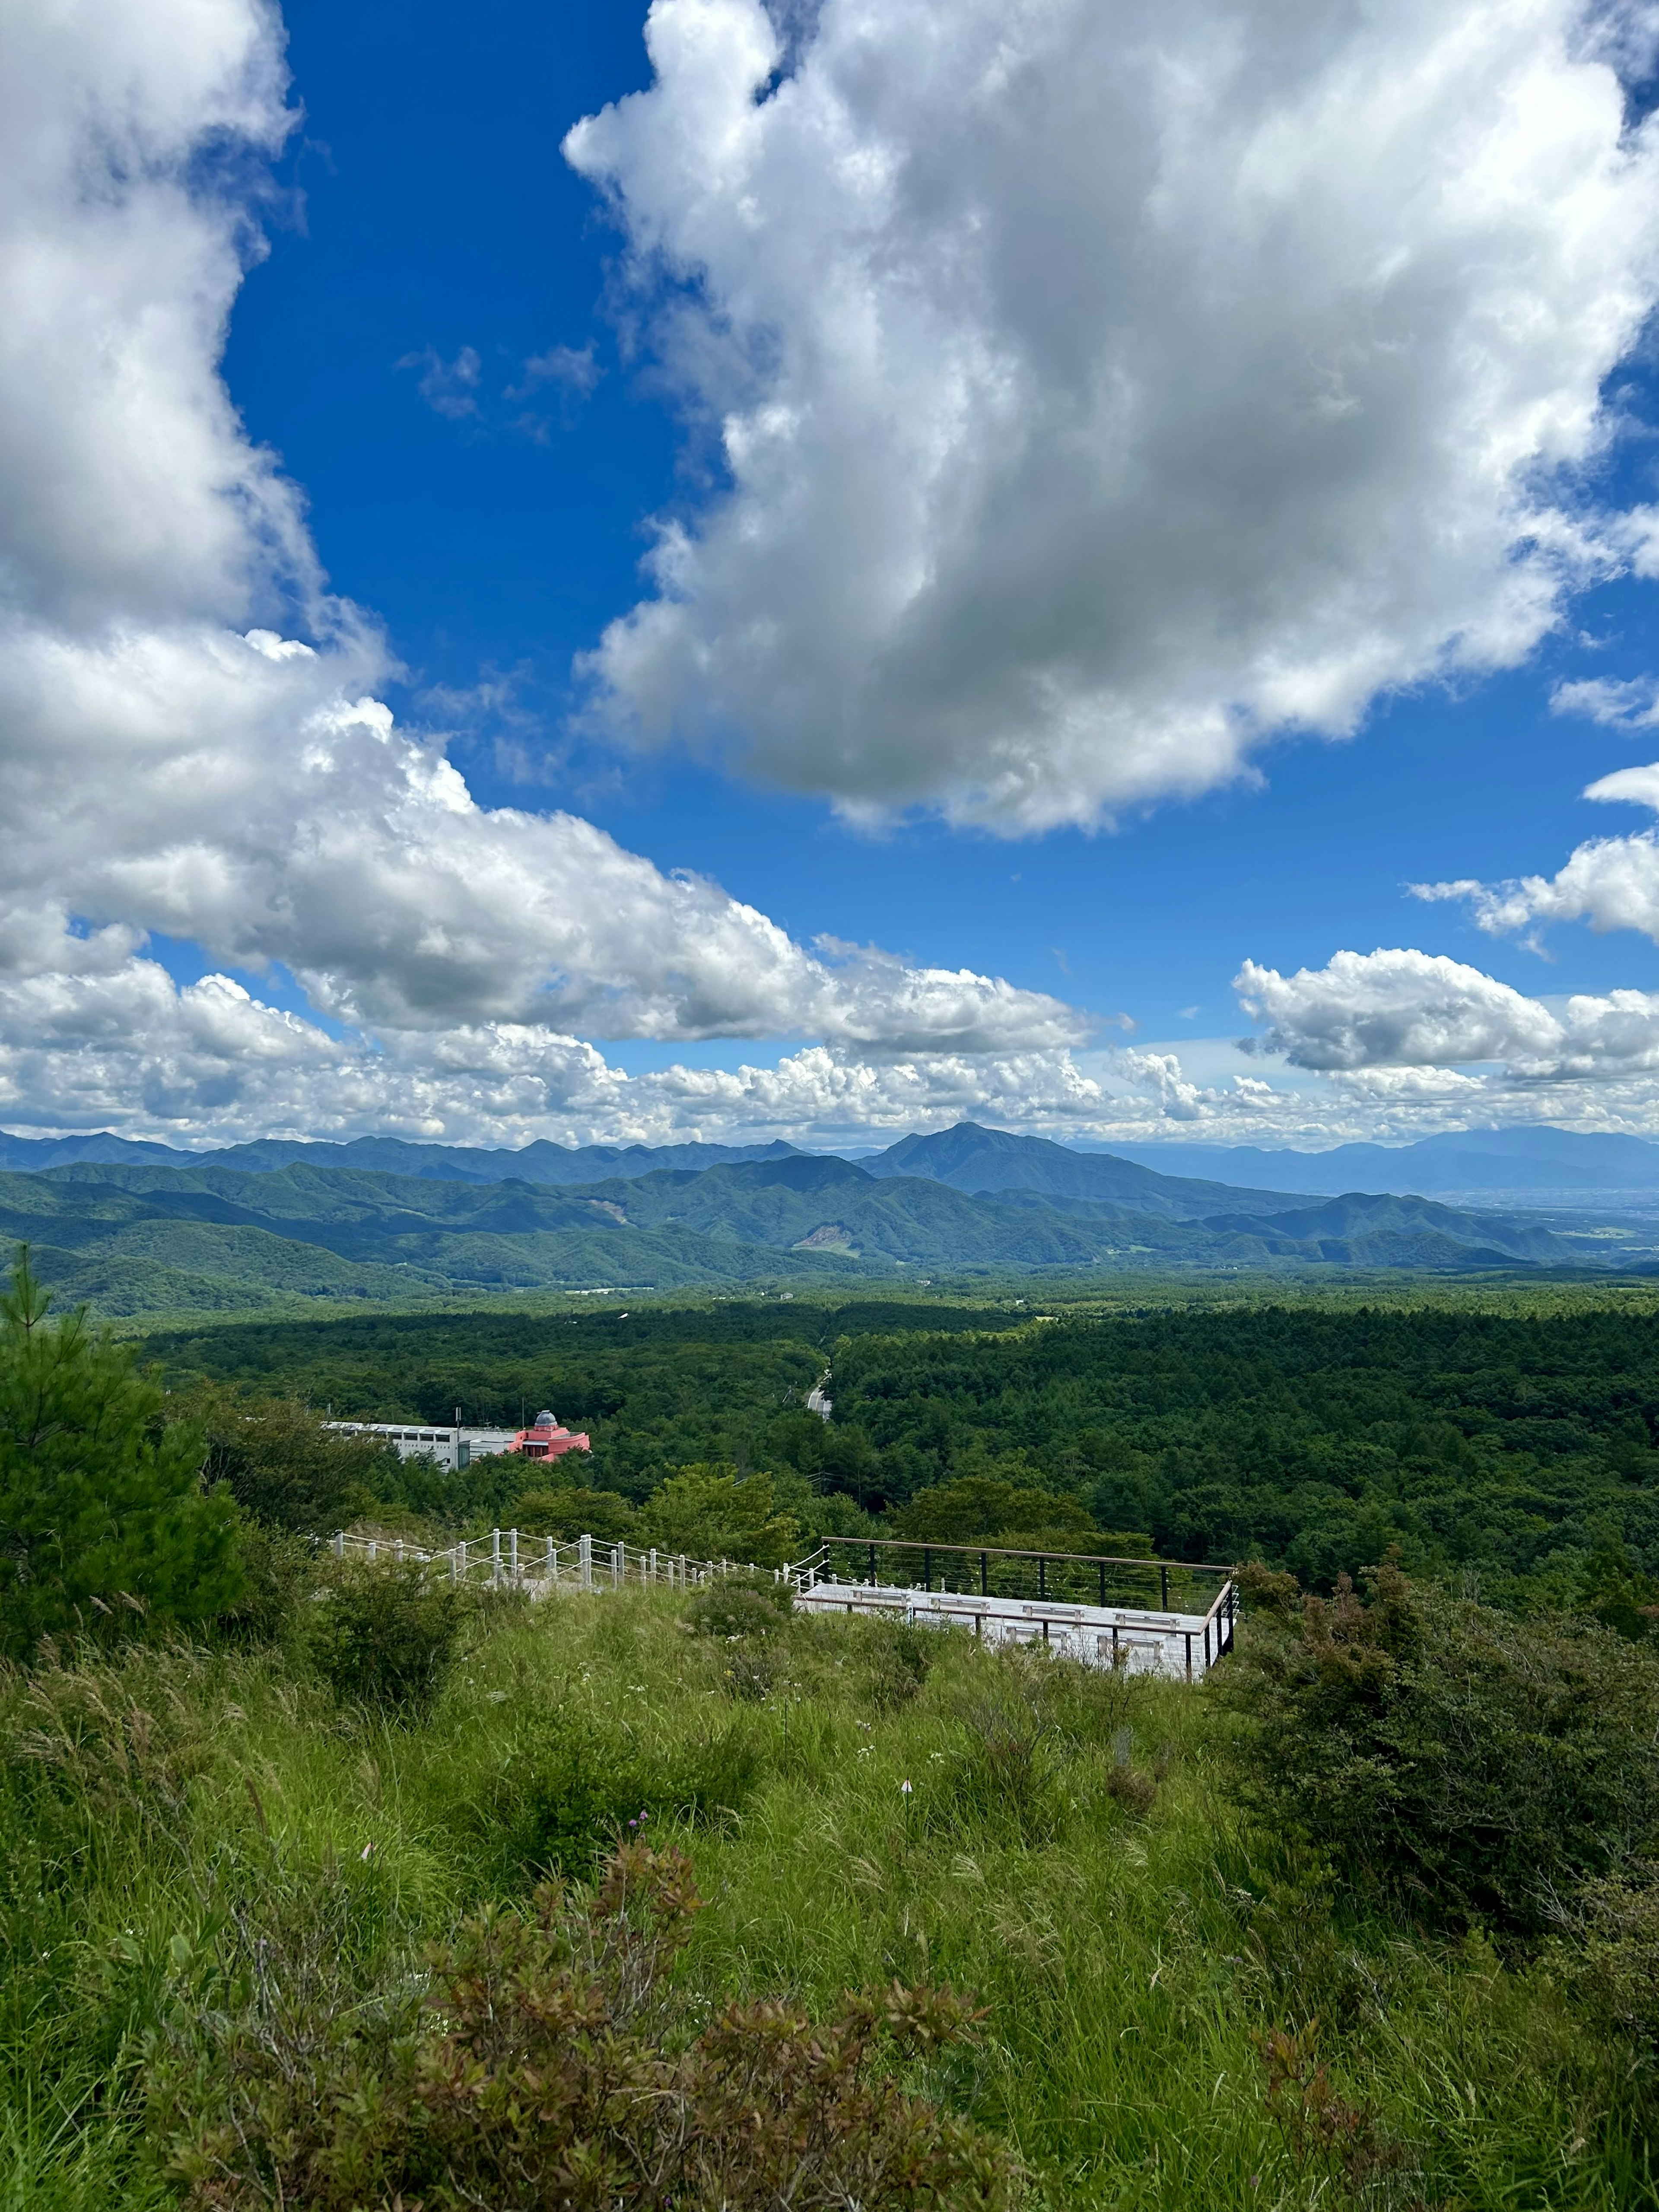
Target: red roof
<point>548,1440</point>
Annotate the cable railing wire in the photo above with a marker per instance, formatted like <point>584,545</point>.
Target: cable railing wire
<point>1166,1597</point>
<point>509,1558</point>
<point>1098,1579</point>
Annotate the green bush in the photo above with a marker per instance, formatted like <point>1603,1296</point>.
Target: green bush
<point>567,1798</point>
<point>278,1575</point>
<point>1474,1765</point>
<point>386,1633</point>
<point>558,2063</point>
<point>564,1514</point>
<point>283,1464</point>
<point>1003,1780</point>
<point>896,1658</point>
<point>1612,1949</point>
<point>103,1520</point>
<point>739,1606</point>
<point>711,1512</point>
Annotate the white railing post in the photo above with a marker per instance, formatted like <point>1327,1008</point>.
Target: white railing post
<point>652,1572</point>
<point>460,1550</point>
<point>512,1554</point>
<point>374,1551</point>
<point>339,1544</point>
<point>585,1561</point>
<point>400,1550</point>
<point>552,1562</point>
<point>494,1559</point>
<point>616,1566</point>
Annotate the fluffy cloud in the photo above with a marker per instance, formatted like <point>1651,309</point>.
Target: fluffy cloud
<point>176,759</point>
<point>1100,390</point>
<point>119,1045</point>
<point>1416,1012</point>
<point>1631,705</point>
<point>1611,883</point>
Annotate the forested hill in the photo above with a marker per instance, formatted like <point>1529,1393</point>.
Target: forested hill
<point>1513,1447</point>
<point>145,1238</point>
<point>1517,1450</point>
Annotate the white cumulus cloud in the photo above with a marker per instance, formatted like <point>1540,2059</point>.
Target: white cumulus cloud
<point>1402,1010</point>
<point>1099,390</point>
<point>189,738</point>
<point>1611,883</point>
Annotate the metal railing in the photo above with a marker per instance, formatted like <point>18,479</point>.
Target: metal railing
<point>1164,1595</point>
<point>1095,1578</point>
<point>1220,1625</point>
<point>508,1560</point>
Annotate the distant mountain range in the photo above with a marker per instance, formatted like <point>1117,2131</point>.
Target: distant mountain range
<point>537,1163</point>
<point>242,1229</point>
<point>1540,1159</point>
<point>968,1156</point>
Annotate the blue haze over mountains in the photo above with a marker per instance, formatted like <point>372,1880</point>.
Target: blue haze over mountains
<point>135,1228</point>
<point>1535,1159</point>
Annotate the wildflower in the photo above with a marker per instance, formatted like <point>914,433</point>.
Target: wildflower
<point>905,1787</point>
<point>364,1853</point>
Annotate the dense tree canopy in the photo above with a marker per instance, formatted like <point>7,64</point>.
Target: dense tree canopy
<point>104,1518</point>
<point>1505,1446</point>
<point>1510,1452</point>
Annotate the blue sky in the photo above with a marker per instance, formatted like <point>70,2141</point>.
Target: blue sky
<point>439,213</point>
<point>427,241</point>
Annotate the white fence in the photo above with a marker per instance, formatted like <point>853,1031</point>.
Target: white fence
<point>508,1560</point>
<point>1183,1645</point>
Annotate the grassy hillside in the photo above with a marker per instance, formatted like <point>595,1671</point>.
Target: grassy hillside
<point>1073,1851</point>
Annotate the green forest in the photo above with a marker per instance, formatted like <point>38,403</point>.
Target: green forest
<point>1512,1453</point>
<point>335,1883</point>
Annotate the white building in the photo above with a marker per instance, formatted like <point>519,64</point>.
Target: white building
<point>452,1448</point>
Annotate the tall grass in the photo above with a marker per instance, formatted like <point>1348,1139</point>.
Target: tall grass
<point>1070,1849</point>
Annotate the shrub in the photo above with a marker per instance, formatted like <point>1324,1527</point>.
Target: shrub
<point>1002,1780</point>
<point>1127,1784</point>
<point>283,1464</point>
<point>711,1512</point>
<point>384,1633</point>
<point>564,1514</point>
<point>715,1776</point>
<point>103,1518</point>
<point>1613,1950</point>
<point>278,1572</point>
<point>746,1614</point>
<point>567,1799</point>
<point>740,1606</point>
<point>1471,1764</point>
<point>897,1658</point>
<point>555,2064</point>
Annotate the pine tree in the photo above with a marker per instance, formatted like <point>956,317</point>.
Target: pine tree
<point>103,1516</point>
